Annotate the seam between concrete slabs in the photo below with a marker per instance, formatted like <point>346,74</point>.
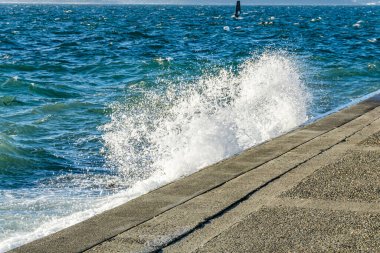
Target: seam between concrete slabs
<point>20,249</point>
<point>351,126</point>
<point>233,205</point>
<point>263,197</point>
<point>216,186</point>
<point>364,110</point>
<point>374,209</point>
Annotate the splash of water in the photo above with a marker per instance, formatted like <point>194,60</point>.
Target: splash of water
<point>164,135</point>
<point>169,134</point>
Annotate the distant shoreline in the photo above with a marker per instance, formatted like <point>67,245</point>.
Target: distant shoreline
<point>195,5</point>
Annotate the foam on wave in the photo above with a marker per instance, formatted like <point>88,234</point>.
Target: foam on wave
<point>166,134</point>
<point>174,133</point>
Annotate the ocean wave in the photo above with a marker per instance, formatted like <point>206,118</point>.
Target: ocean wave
<point>59,106</point>
<point>11,82</point>
<point>174,126</point>
<point>17,158</point>
<point>174,133</point>
<point>9,101</point>
<point>163,135</point>
<point>53,91</point>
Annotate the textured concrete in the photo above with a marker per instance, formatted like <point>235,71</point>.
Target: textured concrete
<point>373,140</point>
<point>354,177</point>
<point>287,229</point>
<point>309,182</point>
<point>313,224</point>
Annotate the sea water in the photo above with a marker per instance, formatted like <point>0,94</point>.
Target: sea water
<point>100,104</point>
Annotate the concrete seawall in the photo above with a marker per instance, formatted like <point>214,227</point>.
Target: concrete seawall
<point>316,188</point>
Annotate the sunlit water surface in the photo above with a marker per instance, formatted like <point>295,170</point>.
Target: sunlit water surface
<point>100,104</point>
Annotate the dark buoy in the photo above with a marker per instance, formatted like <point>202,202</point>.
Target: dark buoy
<point>238,9</point>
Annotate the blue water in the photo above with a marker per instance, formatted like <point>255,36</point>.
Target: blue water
<point>100,104</point>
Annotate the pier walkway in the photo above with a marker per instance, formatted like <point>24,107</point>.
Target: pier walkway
<point>315,189</point>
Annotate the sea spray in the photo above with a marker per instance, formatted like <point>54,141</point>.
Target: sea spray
<point>171,133</point>
<point>52,174</point>
<point>162,134</point>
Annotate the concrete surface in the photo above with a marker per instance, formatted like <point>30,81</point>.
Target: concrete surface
<point>354,177</point>
<point>314,189</point>
<point>289,229</point>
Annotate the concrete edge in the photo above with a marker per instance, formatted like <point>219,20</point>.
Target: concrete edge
<point>107,225</point>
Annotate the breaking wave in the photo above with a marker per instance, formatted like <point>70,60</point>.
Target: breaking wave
<point>166,134</point>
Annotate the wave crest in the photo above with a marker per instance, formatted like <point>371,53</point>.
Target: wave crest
<point>167,134</point>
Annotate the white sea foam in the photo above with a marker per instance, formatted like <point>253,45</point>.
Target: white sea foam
<point>374,40</point>
<point>171,133</point>
<point>174,133</point>
<point>316,19</point>
<point>239,18</point>
<point>42,225</point>
<point>358,24</point>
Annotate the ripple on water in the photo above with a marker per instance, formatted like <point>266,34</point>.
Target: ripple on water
<point>54,91</point>
<point>66,64</point>
<point>9,101</point>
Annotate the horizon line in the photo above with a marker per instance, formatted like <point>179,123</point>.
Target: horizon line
<point>174,4</point>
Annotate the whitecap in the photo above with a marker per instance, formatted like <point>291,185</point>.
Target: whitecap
<point>190,126</point>
<point>226,28</point>
<point>175,132</point>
